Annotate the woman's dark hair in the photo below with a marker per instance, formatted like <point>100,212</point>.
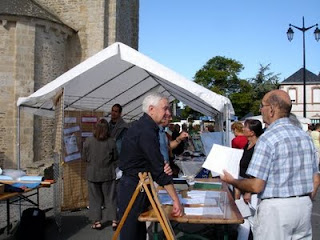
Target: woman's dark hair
<point>255,126</point>
<point>101,131</point>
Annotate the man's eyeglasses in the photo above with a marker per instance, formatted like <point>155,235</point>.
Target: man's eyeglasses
<point>261,105</point>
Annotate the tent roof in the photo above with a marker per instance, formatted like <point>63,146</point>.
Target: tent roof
<point>120,74</point>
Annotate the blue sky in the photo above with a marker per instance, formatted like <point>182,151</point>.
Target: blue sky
<point>183,34</point>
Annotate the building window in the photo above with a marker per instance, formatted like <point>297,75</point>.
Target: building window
<point>293,94</point>
<point>316,95</point>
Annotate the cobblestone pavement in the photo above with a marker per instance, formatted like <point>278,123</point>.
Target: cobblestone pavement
<point>75,225</point>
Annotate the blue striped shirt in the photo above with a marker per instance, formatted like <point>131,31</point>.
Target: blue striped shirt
<point>285,158</point>
<point>163,140</point>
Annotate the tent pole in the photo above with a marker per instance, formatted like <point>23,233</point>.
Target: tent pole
<point>227,120</point>
<point>18,139</point>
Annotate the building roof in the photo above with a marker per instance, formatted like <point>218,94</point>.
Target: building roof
<point>297,78</point>
<point>27,8</point>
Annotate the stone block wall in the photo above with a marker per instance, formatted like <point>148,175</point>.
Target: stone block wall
<point>50,57</point>
<point>98,23</point>
<point>7,50</point>
<point>34,54</point>
<point>35,51</point>
<point>16,77</point>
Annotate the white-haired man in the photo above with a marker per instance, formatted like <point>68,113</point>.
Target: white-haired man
<point>141,153</point>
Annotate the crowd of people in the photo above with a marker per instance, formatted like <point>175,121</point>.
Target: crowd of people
<point>278,175</point>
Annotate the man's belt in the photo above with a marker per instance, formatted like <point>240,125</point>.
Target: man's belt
<point>297,196</point>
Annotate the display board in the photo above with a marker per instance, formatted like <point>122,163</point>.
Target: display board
<point>78,125</point>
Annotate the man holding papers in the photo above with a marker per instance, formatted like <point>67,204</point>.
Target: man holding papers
<point>284,174</point>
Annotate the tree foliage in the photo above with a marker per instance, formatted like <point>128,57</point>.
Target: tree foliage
<point>262,83</point>
<point>220,75</point>
<point>242,101</point>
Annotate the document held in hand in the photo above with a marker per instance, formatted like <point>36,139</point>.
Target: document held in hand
<point>223,158</point>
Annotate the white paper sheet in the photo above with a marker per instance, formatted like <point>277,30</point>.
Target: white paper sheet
<point>70,143</point>
<point>246,210</point>
<point>165,199</point>
<point>86,134</point>
<point>207,194</point>
<point>31,178</point>
<point>204,201</point>
<point>72,157</point>
<point>71,130</point>
<point>70,120</point>
<point>89,119</point>
<point>223,158</point>
<point>200,211</point>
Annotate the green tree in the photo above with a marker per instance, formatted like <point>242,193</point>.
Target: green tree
<point>242,101</point>
<point>220,75</point>
<point>262,83</point>
<point>250,93</point>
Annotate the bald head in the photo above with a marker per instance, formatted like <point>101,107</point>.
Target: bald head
<point>280,100</point>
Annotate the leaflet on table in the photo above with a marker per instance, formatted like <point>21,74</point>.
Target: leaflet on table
<point>206,194</point>
<point>223,158</point>
<point>194,198</point>
<point>201,211</point>
<point>200,200</point>
<point>165,199</point>
<point>30,178</point>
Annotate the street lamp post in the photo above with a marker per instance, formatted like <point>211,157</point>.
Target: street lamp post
<point>290,37</point>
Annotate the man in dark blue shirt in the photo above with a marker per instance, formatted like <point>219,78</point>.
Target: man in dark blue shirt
<point>141,153</point>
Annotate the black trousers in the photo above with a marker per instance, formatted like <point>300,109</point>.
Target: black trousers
<point>132,228</point>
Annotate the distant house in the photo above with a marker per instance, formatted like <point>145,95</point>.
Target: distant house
<point>293,85</point>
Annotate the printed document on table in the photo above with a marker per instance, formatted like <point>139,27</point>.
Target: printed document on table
<point>200,211</point>
<point>223,158</point>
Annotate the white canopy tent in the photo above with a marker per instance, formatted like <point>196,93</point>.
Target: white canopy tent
<point>120,74</point>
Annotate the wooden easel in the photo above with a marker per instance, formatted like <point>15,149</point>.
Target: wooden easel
<point>145,180</point>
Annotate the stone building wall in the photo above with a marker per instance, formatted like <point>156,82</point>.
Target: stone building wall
<point>7,66</point>
<point>98,23</point>
<point>16,69</point>
<point>32,54</point>
<point>23,80</point>
<point>50,56</point>
<point>34,51</point>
